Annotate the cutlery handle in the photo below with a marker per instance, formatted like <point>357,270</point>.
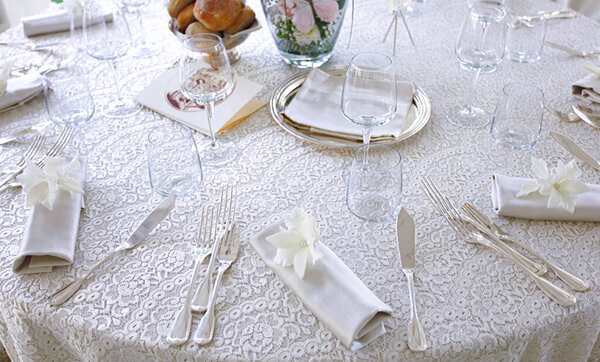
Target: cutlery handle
<point>180,329</point>
<point>67,291</point>
<point>416,336</point>
<point>202,294</point>
<point>569,279</point>
<point>532,266</point>
<point>206,329</point>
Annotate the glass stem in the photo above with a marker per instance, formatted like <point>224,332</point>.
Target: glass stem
<point>111,64</point>
<point>142,38</point>
<point>366,141</point>
<point>472,90</point>
<point>209,113</point>
<point>72,27</point>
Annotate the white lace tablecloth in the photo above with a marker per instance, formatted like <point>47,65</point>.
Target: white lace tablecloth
<point>473,304</point>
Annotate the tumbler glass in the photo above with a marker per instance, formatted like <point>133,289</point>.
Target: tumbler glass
<point>525,40</point>
<point>375,184</point>
<point>517,121</point>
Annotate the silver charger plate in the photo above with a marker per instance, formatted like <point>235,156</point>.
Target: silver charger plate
<point>418,114</point>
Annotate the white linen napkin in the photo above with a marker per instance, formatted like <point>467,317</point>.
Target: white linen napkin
<point>534,206</point>
<point>51,235</point>
<point>317,105</point>
<point>55,21</point>
<point>332,292</point>
<point>587,88</point>
<point>20,88</point>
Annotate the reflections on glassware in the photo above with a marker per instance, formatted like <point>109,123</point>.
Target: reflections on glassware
<point>525,43</point>
<point>67,96</point>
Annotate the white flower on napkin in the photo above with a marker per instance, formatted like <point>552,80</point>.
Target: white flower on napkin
<point>561,187</point>
<point>43,185</point>
<point>296,245</point>
<point>5,69</point>
<point>74,5</point>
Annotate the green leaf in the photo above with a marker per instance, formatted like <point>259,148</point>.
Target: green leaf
<point>57,1</point>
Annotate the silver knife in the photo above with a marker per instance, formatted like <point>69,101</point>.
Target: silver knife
<point>406,246</point>
<point>577,151</point>
<point>584,117</point>
<point>139,235</point>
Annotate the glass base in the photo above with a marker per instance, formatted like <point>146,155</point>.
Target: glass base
<point>467,116</point>
<point>121,108</point>
<point>374,208</point>
<point>174,185</point>
<point>521,57</point>
<point>515,139</point>
<point>146,49</point>
<point>222,153</point>
<point>305,61</point>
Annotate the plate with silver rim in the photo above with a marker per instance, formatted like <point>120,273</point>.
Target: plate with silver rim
<point>418,114</point>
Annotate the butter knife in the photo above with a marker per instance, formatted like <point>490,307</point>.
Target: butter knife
<point>139,235</point>
<point>406,246</point>
<point>577,151</point>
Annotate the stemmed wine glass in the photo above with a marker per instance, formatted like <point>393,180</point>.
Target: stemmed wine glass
<point>143,48</point>
<point>479,48</point>
<point>109,40</point>
<point>205,77</point>
<point>369,92</point>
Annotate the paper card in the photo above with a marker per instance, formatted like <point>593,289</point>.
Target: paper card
<point>164,96</point>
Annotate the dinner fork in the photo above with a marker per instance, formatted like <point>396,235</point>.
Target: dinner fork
<point>227,255</point>
<point>33,150</point>
<point>59,145</point>
<point>466,232</point>
<point>570,279</point>
<point>225,220</point>
<point>207,236</point>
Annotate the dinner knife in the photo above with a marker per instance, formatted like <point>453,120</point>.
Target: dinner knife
<point>575,149</point>
<point>406,246</point>
<point>139,235</point>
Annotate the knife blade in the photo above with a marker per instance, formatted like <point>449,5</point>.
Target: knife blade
<point>584,117</point>
<point>406,239</point>
<point>575,149</point>
<point>151,221</point>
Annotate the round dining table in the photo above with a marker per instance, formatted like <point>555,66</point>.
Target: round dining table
<point>473,304</point>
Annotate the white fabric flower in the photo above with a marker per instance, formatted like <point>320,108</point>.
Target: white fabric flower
<point>561,187</point>
<point>43,185</point>
<point>297,245</point>
<point>5,69</point>
<point>74,5</point>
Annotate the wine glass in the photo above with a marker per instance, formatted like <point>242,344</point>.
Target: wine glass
<point>479,48</point>
<point>369,92</point>
<point>143,48</point>
<point>109,40</point>
<point>205,77</point>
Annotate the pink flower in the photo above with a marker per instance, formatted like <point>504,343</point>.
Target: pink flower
<point>327,10</point>
<point>287,7</point>
<point>303,19</point>
<point>301,12</point>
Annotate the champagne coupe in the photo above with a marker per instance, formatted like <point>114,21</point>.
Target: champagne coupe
<point>205,77</point>
<point>109,39</point>
<point>143,48</point>
<point>369,92</point>
<point>479,49</point>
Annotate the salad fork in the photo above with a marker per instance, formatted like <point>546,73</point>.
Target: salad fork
<point>207,234</point>
<point>466,232</point>
<point>227,255</point>
<point>570,279</point>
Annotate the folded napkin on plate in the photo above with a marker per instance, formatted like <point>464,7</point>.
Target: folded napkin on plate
<point>55,21</point>
<point>317,108</point>
<point>51,235</point>
<point>21,88</point>
<point>164,96</point>
<point>332,292</point>
<point>534,206</point>
<point>587,88</point>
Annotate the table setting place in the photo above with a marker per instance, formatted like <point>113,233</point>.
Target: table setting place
<point>217,179</point>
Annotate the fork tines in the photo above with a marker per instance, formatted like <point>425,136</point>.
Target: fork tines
<point>227,205</point>
<point>35,147</point>
<point>59,145</point>
<point>208,227</point>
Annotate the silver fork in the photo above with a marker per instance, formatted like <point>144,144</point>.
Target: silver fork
<point>570,279</point>
<point>225,220</point>
<point>59,145</point>
<point>207,234</point>
<point>227,255</point>
<point>33,150</point>
<point>466,232</point>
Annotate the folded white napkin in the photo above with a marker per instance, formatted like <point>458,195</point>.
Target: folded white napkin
<point>317,105</point>
<point>51,235</point>
<point>21,88</point>
<point>534,206</point>
<point>587,88</point>
<point>332,292</point>
<point>55,21</point>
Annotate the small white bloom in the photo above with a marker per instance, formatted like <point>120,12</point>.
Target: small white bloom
<point>297,245</point>
<point>561,187</point>
<point>5,69</point>
<point>307,38</point>
<point>74,5</point>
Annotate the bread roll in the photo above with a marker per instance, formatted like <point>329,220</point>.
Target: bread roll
<point>175,6</point>
<point>243,21</point>
<point>198,28</point>
<point>186,17</point>
<point>217,15</point>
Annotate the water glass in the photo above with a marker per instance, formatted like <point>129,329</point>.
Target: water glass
<point>525,40</point>
<point>517,121</point>
<point>173,161</point>
<point>67,96</point>
<point>375,184</point>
